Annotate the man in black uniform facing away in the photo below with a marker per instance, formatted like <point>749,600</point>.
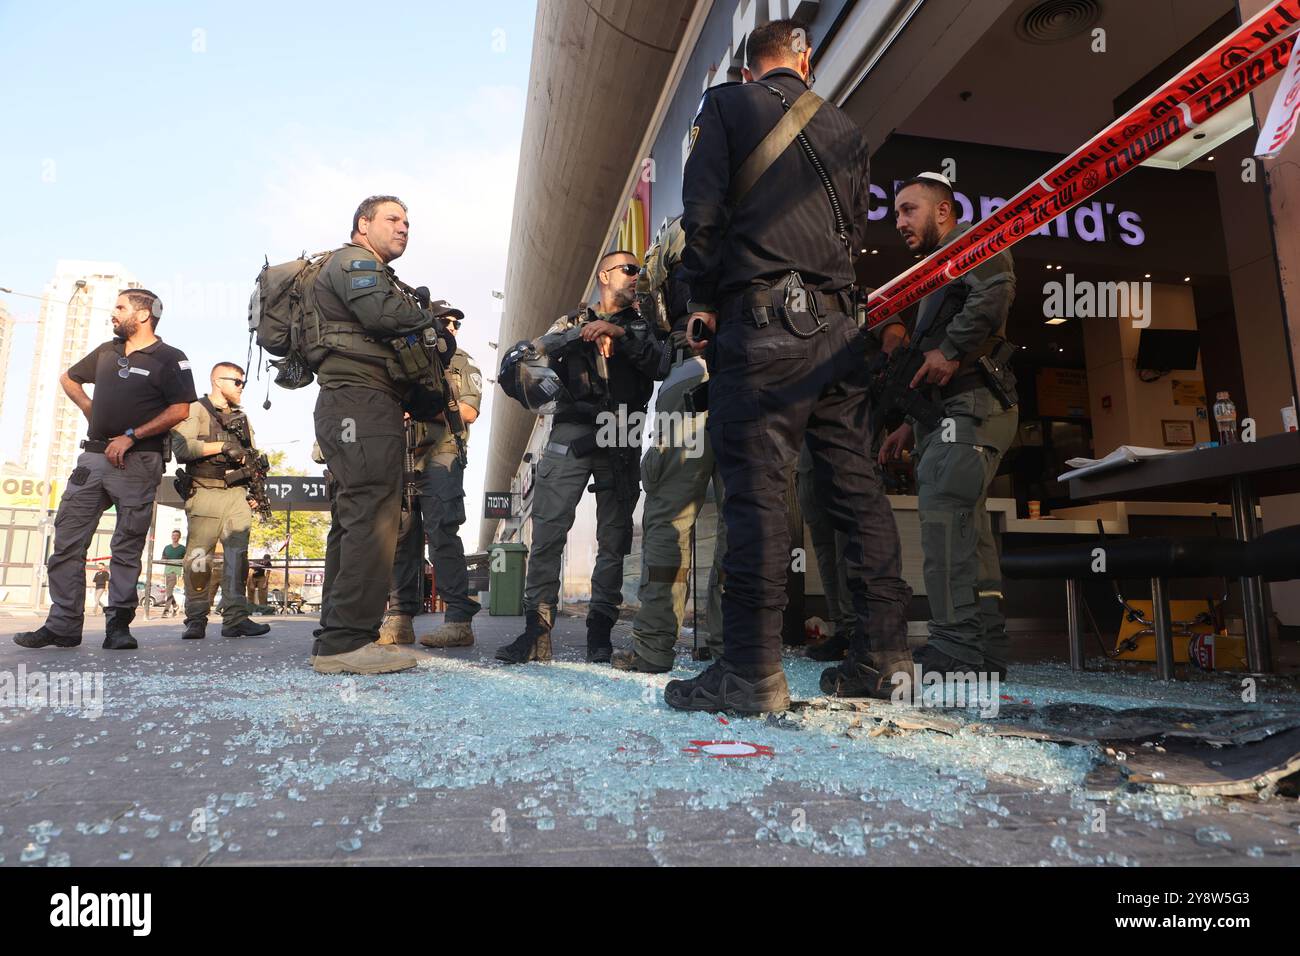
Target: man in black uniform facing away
<point>769,261</point>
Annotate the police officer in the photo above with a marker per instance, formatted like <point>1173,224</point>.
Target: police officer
<point>769,258</point>
<point>358,422</point>
<point>217,506</point>
<point>435,515</point>
<point>143,387</point>
<point>675,474</point>
<point>609,349</point>
<point>955,462</point>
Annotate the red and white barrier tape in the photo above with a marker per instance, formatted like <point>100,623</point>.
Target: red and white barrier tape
<point>1259,49</point>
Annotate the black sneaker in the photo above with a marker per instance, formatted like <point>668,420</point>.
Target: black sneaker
<point>832,649</point>
<point>245,628</point>
<point>599,647</point>
<point>858,678</point>
<point>532,645</point>
<point>195,631</point>
<point>720,688</point>
<point>632,661</point>
<point>44,637</point>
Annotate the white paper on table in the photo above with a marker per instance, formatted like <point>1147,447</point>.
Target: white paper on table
<point>1121,456</point>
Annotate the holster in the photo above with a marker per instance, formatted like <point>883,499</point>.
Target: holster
<point>995,369</point>
<point>184,484</point>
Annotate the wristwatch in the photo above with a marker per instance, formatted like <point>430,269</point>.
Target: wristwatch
<point>130,433</point>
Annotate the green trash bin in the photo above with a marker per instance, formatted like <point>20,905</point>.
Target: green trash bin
<point>507,565</point>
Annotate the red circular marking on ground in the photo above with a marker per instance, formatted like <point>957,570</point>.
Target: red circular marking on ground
<point>726,749</point>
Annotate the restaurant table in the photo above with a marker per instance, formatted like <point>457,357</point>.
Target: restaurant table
<point>1241,472</point>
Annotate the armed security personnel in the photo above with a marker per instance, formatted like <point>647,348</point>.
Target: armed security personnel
<point>614,336</point>
<point>773,220</point>
<point>217,505</point>
<point>960,330</point>
<point>359,431</point>
<point>675,473</point>
<point>435,516</point>
<point>143,387</point>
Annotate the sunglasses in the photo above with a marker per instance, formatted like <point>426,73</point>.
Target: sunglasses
<point>239,382</point>
<point>123,367</point>
<point>627,268</point>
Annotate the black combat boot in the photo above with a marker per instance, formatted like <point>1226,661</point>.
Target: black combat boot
<point>931,659</point>
<point>246,628</point>
<point>44,637</point>
<point>832,649</point>
<point>599,647</point>
<point>865,674</point>
<point>720,688</point>
<point>195,630</point>
<point>117,630</point>
<point>532,645</point>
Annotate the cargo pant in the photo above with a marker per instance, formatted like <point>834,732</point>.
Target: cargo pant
<point>359,431</point>
<point>956,462</point>
<point>93,487</point>
<point>771,391</point>
<point>217,514</point>
<point>829,545</point>
<point>436,515</point>
<point>675,473</point>
<point>169,604</point>
<point>561,481</point>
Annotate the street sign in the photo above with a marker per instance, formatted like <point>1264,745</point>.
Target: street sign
<point>498,504</point>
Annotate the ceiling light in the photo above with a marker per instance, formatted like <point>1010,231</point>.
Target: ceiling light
<point>1049,267</point>
<point>1187,278</point>
<point>1055,322</point>
<point>1146,275</point>
<point>1060,350</point>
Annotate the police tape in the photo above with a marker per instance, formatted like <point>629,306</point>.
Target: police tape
<point>1259,49</point>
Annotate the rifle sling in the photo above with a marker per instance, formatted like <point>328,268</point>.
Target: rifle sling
<point>781,135</point>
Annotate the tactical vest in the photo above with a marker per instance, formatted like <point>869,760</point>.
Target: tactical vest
<point>213,466</point>
<point>968,375</point>
<point>323,334</point>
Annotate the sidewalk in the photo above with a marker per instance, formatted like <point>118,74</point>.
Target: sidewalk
<point>228,751</point>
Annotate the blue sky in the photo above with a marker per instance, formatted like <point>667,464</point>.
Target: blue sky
<point>187,140</point>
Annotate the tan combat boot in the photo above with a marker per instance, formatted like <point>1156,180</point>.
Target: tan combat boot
<point>397,629</point>
<point>373,658</point>
<point>450,634</point>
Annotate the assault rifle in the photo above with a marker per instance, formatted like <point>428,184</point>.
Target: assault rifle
<point>255,466</point>
<point>891,387</point>
<point>421,357</point>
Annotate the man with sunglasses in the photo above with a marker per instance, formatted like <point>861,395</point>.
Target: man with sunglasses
<point>142,388</point>
<point>217,507</point>
<point>611,338</point>
<point>435,515</point>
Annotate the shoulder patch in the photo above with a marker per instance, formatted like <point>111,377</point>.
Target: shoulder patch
<point>184,363</point>
<point>361,265</point>
<point>363,282</point>
<point>476,380</point>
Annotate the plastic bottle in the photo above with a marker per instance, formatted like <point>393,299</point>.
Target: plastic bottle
<point>1225,416</point>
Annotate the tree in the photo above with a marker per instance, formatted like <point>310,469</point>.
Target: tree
<point>307,529</point>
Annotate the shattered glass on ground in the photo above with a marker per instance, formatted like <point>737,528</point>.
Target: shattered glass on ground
<point>236,752</point>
